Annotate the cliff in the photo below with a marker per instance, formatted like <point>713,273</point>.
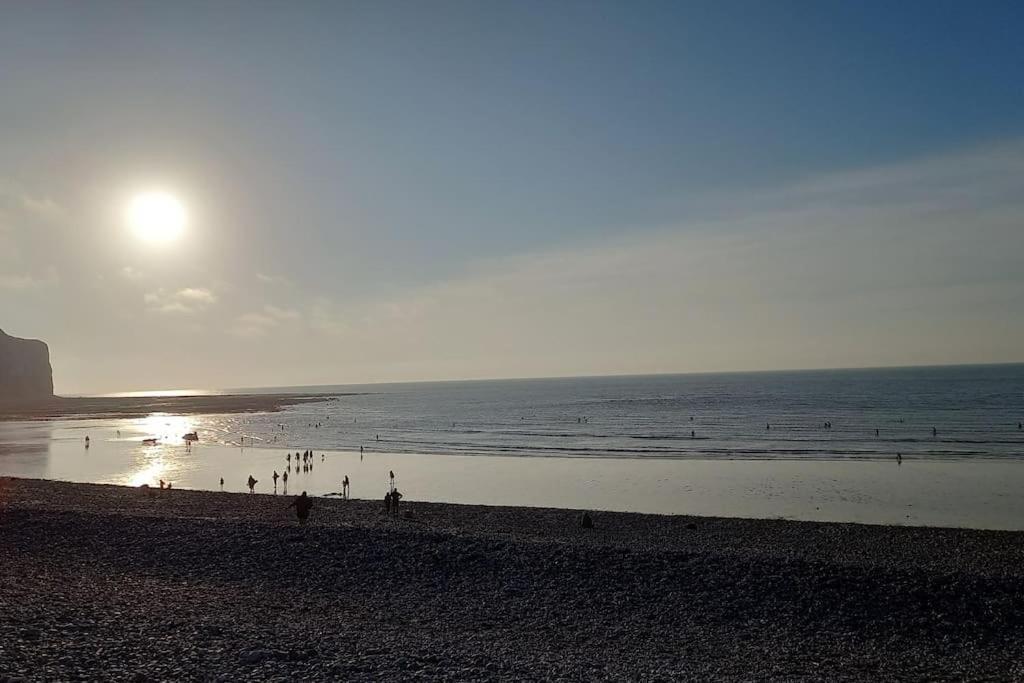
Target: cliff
<point>25,372</point>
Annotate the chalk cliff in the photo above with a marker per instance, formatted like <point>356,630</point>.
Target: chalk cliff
<point>25,372</point>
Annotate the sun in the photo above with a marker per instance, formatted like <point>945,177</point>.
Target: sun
<point>157,217</point>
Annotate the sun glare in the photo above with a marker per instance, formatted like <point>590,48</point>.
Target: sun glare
<point>157,217</point>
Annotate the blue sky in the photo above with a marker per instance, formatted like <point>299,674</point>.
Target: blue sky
<point>343,163</point>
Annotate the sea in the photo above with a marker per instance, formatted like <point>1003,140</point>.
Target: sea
<point>932,412</point>
<point>941,446</point>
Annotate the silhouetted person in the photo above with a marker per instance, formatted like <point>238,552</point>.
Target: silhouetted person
<point>168,486</point>
<point>163,485</point>
<point>934,431</point>
<point>222,483</point>
<point>288,457</point>
<point>252,484</point>
<point>899,459</point>
<point>345,490</point>
<point>284,478</point>
<point>391,473</point>
<point>876,432</point>
<point>585,521</point>
<point>1020,425</point>
<point>396,498</point>
<point>275,479</point>
<point>302,504</point>
<point>767,426</point>
<point>693,434</point>
<point>387,503</point>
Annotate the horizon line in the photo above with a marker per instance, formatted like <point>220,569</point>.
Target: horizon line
<point>242,390</point>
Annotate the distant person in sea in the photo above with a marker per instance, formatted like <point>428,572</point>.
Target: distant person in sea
<point>876,432</point>
<point>693,434</point>
<point>1020,425</point>
<point>252,484</point>
<point>934,431</point>
<point>302,504</point>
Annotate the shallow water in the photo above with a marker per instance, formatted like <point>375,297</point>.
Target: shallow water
<point>982,493</point>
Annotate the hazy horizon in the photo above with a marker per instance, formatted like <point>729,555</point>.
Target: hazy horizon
<point>185,391</point>
<point>238,194</point>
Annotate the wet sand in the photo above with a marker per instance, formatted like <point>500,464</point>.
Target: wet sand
<point>129,407</point>
<point>113,582</point>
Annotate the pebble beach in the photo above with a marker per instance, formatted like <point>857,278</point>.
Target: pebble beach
<point>118,583</point>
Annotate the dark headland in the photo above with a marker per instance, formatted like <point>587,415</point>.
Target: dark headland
<point>104,582</point>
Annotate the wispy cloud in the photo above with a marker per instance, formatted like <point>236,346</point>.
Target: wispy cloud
<point>273,279</point>
<point>22,281</point>
<point>258,324</point>
<point>187,300</point>
<point>906,264</point>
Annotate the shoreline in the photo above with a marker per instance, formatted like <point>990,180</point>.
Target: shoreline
<point>88,408</point>
<point>212,585</point>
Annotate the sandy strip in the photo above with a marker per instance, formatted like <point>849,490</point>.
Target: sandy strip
<point>129,407</point>
<point>109,582</point>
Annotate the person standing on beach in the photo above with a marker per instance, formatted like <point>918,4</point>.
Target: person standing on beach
<point>391,473</point>
<point>275,480</point>
<point>252,484</point>
<point>387,503</point>
<point>396,497</point>
<point>899,458</point>
<point>302,504</point>
<point>345,488</point>
<point>222,483</point>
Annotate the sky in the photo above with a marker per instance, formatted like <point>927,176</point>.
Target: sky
<point>400,191</point>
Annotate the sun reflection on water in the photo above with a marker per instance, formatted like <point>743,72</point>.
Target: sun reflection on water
<point>165,427</point>
<point>150,474</point>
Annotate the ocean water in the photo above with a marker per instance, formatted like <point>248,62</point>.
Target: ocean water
<point>974,410</point>
<point>620,443</point>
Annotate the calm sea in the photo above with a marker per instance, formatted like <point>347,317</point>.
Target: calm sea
<point>974,411</point>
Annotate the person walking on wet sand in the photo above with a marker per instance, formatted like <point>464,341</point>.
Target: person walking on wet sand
<point>302,504</point>
<point>345,490</point>
<point>275,479</point>
<point>252,484</point>
<point>391,473</point>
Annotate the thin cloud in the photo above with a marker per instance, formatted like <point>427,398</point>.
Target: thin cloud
<point>184,301</point>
